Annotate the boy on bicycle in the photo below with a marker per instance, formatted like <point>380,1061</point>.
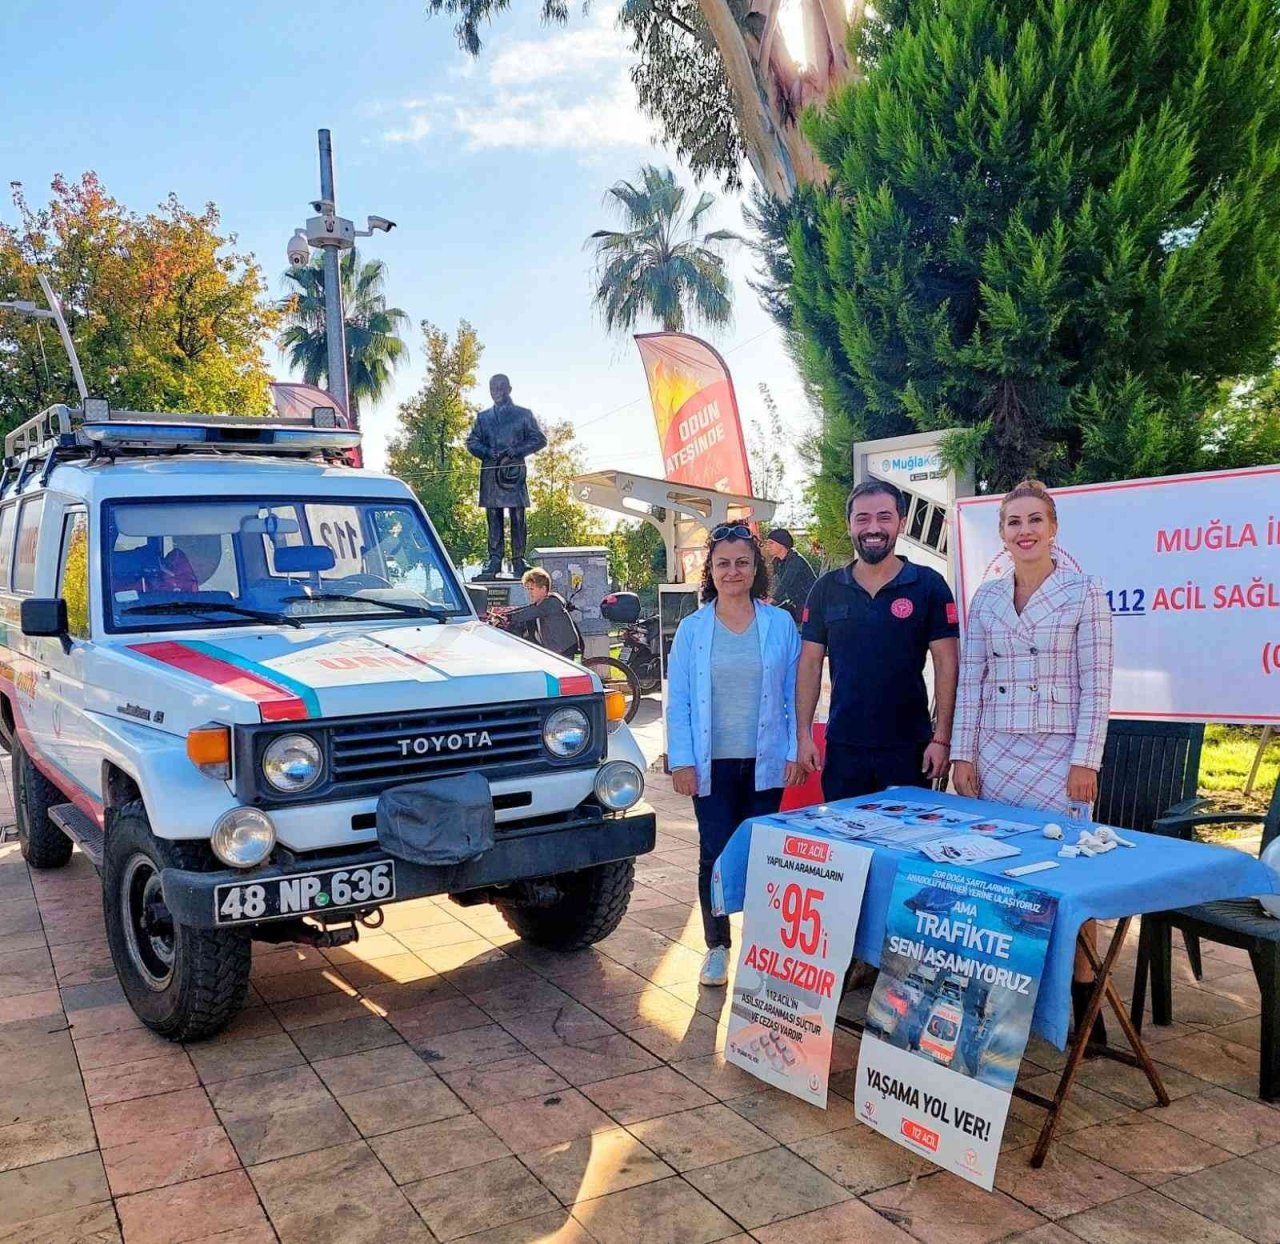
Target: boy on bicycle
<point>547,615</point>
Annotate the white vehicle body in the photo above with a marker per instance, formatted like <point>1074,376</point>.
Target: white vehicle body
<point>116,702</point>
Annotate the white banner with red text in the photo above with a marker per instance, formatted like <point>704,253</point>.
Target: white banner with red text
<point>799,915</point>
<point>1191,568</point>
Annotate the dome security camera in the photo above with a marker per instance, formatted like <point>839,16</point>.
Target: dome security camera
<point>299,250</point>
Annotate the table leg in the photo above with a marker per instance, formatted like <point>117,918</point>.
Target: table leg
<point>1103,990</point>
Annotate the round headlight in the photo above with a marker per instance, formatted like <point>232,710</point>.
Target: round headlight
<point>567,732</point>
<point>619,785</point>
<point>243,837</point>
<point>292,763</point>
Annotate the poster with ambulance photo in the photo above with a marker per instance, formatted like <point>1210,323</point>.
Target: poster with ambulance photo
<point>951,1012</point>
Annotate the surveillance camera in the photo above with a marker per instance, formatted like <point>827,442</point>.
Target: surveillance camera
<point>317,205</point>
<point>299,250</point>
<point>381,222</point>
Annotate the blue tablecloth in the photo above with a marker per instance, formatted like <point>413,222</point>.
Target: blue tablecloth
<point>1155,875</point>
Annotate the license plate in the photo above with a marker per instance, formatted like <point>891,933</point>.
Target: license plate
<point>305,893</point>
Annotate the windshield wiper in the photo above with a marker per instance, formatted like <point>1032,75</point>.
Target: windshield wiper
<point>196,606</point>
<point>414,611</point>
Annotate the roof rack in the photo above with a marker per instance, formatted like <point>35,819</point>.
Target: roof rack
<point>94,431</point>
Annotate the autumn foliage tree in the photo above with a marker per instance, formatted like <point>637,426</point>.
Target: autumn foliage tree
<point>164,312</point>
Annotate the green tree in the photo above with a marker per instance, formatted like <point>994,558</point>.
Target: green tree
<point>557,519</point>
<point>661,264</point>
<point>638,560</point>
<point>428,450</point>
<point>164,312</point>
<point>1055,226</point>
<point>1245,423</point>
<point>374,346</point>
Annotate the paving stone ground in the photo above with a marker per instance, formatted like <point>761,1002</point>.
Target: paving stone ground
<point>441,1081</point>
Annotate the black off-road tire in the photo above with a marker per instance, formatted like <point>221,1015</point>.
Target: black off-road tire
<point>592,904</point>
<point>43,844</point>
<point>207,976</point>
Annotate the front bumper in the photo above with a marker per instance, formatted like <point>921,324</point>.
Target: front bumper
<point>581,839</point>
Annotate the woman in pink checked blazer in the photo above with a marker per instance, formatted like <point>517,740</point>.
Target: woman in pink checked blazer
<point>1035,680</point>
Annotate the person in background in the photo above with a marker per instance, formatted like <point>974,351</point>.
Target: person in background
<point>548,615</point>
<point>731,736</point>
<point>876,620</point>
<point>792,575</point>
<point>1035,684</point>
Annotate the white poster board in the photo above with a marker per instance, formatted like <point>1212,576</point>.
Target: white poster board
<point>803,898</point>
<point>1191,567</point>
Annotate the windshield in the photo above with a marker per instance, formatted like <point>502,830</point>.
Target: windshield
<point>186,563</point>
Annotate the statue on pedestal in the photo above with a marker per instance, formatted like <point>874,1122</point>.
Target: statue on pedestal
<point>502,438</point>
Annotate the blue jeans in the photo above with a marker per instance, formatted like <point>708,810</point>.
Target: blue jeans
<point>733,799</point>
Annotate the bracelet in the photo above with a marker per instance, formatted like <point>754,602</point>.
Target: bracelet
<point>940,743</point>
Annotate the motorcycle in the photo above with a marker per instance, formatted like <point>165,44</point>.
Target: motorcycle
<point>640,652</point>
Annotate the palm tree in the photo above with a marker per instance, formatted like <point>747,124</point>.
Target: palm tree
<point>662,263</point>
<point>374,347</point>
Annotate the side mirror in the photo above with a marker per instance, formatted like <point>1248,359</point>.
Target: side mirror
<point>45,617</point>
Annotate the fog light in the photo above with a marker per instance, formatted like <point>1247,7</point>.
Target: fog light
<point>243,837</point>
<point>619,785</point>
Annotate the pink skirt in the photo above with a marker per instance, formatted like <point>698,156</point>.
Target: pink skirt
<point>1025,770</point>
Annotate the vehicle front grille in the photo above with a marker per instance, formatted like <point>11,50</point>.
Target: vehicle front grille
<point>366,755</point>
<point>437,744</point>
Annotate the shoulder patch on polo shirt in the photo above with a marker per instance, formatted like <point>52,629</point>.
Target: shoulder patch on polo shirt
<point>953,614</point>
<point>902,607</point>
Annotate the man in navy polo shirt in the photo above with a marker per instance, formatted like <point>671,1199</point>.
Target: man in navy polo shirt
<point>876,619</point>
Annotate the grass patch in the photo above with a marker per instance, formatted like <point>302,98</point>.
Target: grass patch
<point>1225,762</point>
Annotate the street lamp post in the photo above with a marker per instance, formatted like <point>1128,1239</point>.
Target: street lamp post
<point>332,234</point>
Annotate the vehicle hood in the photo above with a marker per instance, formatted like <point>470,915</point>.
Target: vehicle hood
<point>281,675</point>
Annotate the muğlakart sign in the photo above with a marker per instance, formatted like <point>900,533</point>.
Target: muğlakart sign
<point>1191,568</point>
<point>800,911</point>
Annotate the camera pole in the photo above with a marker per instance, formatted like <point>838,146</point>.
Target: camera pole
<point>332,234</point>
<point>335,327</point>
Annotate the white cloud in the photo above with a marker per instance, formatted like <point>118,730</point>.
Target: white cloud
<point>417,126</point>
<point>567,91</point>
<point>548,120</point>
<point>565,56</point>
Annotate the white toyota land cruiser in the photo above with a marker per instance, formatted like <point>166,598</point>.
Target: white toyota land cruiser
<point>247,680</point>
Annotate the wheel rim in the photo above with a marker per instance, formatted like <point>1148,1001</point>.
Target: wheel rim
<point>148,926</point>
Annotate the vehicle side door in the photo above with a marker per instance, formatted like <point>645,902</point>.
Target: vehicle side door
<point>9,619</point>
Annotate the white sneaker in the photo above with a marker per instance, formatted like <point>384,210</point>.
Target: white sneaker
<point>715,967</point>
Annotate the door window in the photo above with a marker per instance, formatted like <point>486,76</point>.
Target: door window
<point>73,572</point>
<point>7,515</point>
<point>24,562</point>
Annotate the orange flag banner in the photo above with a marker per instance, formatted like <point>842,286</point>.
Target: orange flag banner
<point>696,413</point>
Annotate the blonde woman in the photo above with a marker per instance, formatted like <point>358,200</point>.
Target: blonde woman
<point>1035,681</point>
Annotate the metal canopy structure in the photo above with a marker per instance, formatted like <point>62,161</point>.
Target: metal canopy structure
<point>681,512</point>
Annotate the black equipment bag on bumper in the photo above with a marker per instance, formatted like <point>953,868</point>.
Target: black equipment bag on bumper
<point>442,821</point>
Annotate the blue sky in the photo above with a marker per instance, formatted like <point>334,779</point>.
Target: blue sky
<point>494,169</point>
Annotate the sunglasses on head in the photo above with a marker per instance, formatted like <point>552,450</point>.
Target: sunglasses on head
<point>730,531</point>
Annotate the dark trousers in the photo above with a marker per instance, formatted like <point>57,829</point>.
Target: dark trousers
<point>852,771</point>
<point>519,533</point>
<point>733,799</point>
